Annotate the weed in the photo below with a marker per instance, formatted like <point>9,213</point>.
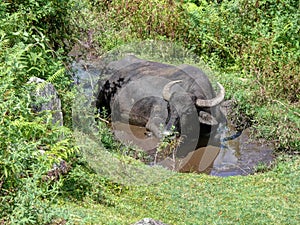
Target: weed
<point>168,145</point>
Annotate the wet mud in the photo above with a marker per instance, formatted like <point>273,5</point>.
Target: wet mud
<point>239,156</point>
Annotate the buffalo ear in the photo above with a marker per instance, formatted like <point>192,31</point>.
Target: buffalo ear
<point>207,118</point>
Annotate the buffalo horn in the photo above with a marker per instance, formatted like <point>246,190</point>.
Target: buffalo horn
<point>166,90</point>
<point>212,102</point>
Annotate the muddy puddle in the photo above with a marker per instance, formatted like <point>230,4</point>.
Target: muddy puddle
<point>238,156</point>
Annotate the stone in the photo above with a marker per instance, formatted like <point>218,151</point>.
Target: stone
<point>149,221</point>
<point>46,93</point>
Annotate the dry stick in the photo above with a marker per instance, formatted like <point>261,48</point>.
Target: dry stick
<point>1,183</point>
<point>103,120</point>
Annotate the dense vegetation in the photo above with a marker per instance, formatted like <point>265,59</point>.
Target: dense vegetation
<point>254,47</point>
<point>27,49</point>
<point>257,42</point>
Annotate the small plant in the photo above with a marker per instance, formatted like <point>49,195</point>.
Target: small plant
<point>168,145</point>
<point>261,168</point>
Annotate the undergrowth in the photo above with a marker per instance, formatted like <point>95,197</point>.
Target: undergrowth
<point>31,146</point>
<point>253,46</point>
<point>255,41</point>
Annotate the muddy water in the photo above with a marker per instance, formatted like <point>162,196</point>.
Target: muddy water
<point>241,155</point>
<point>237,157</point>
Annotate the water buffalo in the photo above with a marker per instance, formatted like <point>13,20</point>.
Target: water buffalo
<point>161,97</point>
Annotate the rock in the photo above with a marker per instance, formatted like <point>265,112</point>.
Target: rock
<point>149,221</point>
<point>47,94</point>
<point>57,171</point>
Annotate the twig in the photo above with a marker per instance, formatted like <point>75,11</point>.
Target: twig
<point>103,120</point>
<point>1,183</point>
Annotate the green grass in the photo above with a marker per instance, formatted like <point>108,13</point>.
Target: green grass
<point>266,198</point>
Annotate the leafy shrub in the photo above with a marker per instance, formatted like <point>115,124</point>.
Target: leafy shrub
<point>29,143</point>
<point>260,38</point>
<point>30,201</point>
<point>116,22</point>
<point>51,17</point>
<point>82,183</point>
<point>150,19</point>
<point>259,42</point>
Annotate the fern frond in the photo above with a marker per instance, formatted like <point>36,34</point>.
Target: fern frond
<point>51,78</point>
<point>56,75</point>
